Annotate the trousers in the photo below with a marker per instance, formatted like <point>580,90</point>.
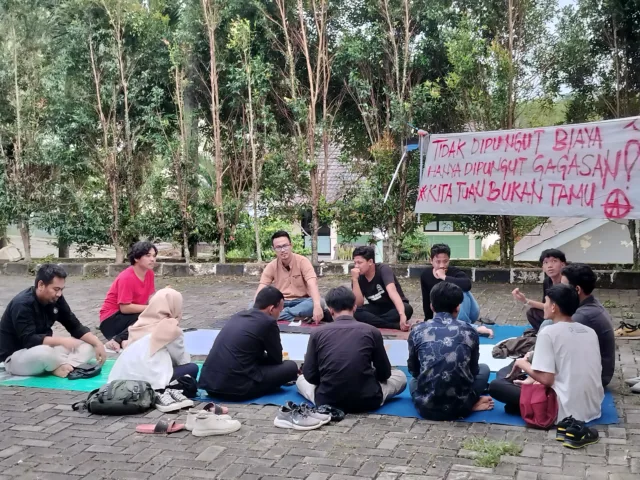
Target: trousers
<point>273,377</point>
<point>45,359</point>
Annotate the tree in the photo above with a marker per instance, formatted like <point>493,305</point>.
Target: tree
<point>25,58</point>
<point>597,57</point>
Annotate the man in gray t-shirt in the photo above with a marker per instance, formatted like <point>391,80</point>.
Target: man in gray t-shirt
<point>592,314</point>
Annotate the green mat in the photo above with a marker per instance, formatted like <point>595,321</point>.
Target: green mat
<point>57,383</point>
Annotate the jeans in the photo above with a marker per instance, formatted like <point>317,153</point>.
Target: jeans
<point>299,307</point>
<point>382,316</point>
<point>469,309</point>
<point>190,369</point>
<point>535,317</point>
<point>479,383</point>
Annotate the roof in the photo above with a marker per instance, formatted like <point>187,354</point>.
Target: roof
<point>339,174</point>
<point>553,227</point>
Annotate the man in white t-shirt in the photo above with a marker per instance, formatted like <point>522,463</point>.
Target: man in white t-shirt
<point>567,358</point>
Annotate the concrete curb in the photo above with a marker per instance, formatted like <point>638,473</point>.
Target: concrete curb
<point>624,279</point>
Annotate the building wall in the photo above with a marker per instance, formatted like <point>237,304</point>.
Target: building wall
<point>609,243</point>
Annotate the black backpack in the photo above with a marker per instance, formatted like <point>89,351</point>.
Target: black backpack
<point>120,397</point>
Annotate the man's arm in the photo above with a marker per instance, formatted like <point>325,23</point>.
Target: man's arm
<point>389,280</point>
<point>129,308</point>
<point>355,286</point>
<point>543,368</point>
<point>310,369</point>
<point>545,378</point>
<point>426,295</point>
<point>273,345</point>
<point>71,323</point>
<point>380,358</point>
<point>266,279</point>
<point>413,363</point>
<point>460,279</point>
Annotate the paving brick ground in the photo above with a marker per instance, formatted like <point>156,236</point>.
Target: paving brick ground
<point>41,437</point>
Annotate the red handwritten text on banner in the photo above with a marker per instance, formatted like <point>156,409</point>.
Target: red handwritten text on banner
<point>588,170</point>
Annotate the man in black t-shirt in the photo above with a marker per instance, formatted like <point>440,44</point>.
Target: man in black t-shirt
<point>552,261</point>
<point>441,271</point>
<point>387,306</point>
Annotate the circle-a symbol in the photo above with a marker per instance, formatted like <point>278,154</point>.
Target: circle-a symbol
<point>617,205</point>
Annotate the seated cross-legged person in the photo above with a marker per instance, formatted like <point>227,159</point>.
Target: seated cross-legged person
<point>245,361</point>
<point>129,295</point>
<point>155,351</point>
<point>376,282</point>
<point>552,261</point>
<point>592,314</point>
<point>295,277</point>
<point>566,358</point>
<point>27,344</point>
<point>441,271</point>
<point>443,359</point>
<point>346,365</point>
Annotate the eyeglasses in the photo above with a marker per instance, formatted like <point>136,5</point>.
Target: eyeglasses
<point>282,248</point>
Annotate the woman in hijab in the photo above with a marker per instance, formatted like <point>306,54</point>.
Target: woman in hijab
<point>155,351</point>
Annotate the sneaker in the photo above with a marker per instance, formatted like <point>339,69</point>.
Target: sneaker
<point>209,409</point>
<point>166,403</point>
<point>632,381</point>
<point>295,418</point>
<point>179,397</point>
<point>626,330</point>
<point>579,435</point>
<point>561,428</point>
<point>207,424</point>
<point>311,411</point>
<point>337,415</point>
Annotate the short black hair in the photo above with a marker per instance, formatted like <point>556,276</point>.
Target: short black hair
<point>340,299</point>
<point>580,275</point>
<point>445,297</point>
<point>439,248</point>
<point>47,272</point>
<point>269,296</point>
<point>279,234</point>
<point>553,253</point>
<point>565,297</point>
<point>139,250</point>
<point>368,253</point>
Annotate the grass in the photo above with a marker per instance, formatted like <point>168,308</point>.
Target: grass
<point>609,304</point>
<point>489,451</point>
<point>628,315</point>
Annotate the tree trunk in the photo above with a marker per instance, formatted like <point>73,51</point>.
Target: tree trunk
<point>633,234</point>
<point>3,237</point>
<point>185,244</point>
<point>193,249</point>
<point>26,239</point>
<point>119,254</point>
<point>315,223</point>
<point>63,248</point>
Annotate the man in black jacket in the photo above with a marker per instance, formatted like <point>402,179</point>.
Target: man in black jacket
<point>245,361</point>
<point>27,344</point>
<point>592,314</point>
<point>441,271</point>
<point>346,365</point>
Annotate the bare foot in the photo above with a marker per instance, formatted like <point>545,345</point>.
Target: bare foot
<point>483,403</point>
<point>112,345</point>
<point>63,370</point>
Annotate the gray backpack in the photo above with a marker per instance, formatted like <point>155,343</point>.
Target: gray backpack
<point>120,397</point>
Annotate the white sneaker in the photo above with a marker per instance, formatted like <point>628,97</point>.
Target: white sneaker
<point>193,413</point>
<point>166,403</point>
<point>179,397</point>
<point>207,424</point>
<point>296,419</point>
<point>632,381</point>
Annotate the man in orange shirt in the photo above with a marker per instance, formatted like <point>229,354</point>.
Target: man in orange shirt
<point>295,277</point>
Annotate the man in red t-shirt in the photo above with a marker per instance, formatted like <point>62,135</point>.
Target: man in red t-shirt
<point>129,295</point>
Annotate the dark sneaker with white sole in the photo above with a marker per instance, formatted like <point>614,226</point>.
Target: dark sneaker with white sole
<point>295,419</point>
<point>579,435</point>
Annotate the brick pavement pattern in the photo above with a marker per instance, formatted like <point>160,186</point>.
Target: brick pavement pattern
<point>42,438</point>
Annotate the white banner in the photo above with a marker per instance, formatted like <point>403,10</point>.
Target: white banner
<point>587,170</point>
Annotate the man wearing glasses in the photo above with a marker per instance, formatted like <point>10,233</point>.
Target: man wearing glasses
<point>295,277</point>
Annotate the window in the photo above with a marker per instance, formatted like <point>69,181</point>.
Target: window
<point>439,226</point>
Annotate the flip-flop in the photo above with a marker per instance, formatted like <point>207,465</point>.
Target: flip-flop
<point>163,426</point>
<point>216,409</point>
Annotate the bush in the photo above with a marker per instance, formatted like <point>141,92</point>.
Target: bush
<point>415,248</point>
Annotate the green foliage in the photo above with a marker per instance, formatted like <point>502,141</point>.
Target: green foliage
<point>415,248</point>
<point>490,451</point>
<point>492,253</point>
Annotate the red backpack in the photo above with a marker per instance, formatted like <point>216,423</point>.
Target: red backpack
<point>538,405</point>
